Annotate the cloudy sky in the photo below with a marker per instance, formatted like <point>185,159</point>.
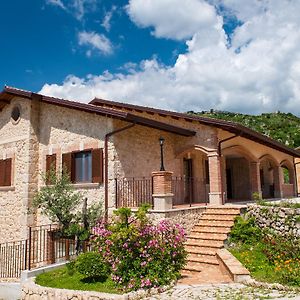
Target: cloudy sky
<point>233,55</point>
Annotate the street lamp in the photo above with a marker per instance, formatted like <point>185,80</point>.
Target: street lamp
<point>161,143</point>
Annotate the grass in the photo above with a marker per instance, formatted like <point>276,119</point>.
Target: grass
<point>253,258</point>
<point>62,278</point>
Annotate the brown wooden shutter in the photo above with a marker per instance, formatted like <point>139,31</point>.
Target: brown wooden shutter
<point>97,165</point>
<point>7,172</point>
<point>2,172</point>
<point>68,165</point>
<point>50,164</point>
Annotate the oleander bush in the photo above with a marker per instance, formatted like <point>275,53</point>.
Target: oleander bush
<point>139,253</point>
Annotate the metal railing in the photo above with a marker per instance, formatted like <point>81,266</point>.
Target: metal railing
<point>132,192</point>
<point>44,246</point>
<point>189,190</point>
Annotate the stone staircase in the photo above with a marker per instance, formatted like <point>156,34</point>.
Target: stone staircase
<point>207,237</point>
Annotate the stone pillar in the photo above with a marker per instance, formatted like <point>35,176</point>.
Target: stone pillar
<point>277,182</point>
<point>162,190</point>
<point>215,179</point>
<point>255,178</point>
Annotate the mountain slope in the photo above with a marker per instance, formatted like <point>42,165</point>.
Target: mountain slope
<point>283,127</point>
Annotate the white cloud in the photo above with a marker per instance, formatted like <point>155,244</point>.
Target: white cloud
<point>172,18</point>
<point>95,41</point>
<point>78,8</point>
<point>107,19</point>
<point>259,71</point>
<point>58,3</point>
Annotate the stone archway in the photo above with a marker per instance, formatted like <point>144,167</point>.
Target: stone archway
<point>237,172</point>
<point>270,177</point>
<point>288,179</point>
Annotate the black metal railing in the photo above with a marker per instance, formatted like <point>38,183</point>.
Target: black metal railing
<point>44,246</point>
<point>189,190</point>
<point>132,192</point>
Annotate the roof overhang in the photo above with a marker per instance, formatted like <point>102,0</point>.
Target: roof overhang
<point>232,127</point>
<point>8,93</point>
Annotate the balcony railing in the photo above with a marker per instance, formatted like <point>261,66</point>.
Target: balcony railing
<point>132,192</point>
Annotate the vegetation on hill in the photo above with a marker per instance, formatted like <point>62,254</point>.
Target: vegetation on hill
<point>283,127</point>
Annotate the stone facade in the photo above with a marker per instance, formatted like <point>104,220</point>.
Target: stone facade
<point>284,221</point>
<point>46,129</point>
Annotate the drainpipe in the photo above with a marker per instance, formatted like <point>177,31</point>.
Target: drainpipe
<point>107,136</point>
<point>295,174</point>
<point>220,153</point>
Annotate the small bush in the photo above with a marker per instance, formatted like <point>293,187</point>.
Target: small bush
<point>245,231</point>
<point>141,254</point>
<point>288,271</point>
<point>92,265</point>
<point>71,267</point>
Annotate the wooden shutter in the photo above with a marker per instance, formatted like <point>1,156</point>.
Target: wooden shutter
<point>97,165</point>
<point>50,165</point>
<point>8,165</point>
<point>2,172</point>
<point>68,165</point>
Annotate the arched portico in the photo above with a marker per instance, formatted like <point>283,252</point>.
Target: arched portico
<point>237,173</point>
<point>270,177</point>
<point>288,180</point>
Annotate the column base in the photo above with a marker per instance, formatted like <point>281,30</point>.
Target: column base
<point>163,202</point>
<point>215,198</point>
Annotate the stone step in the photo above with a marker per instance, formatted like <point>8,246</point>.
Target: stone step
<point>211,223</point>
<point>215,217</point>
<point>188,273</point>
<point>201,250</point>
<point>210,211</point>
<point>204,229</point>
<point>208,236</point>
<point>204,243</point>
<point>194,267</point>
<point>206,259</point>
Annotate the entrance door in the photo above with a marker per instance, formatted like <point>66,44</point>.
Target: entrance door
<point>188,180</point>
<point>229,183</point>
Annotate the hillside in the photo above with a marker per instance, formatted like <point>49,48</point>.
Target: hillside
<point>283,127</point>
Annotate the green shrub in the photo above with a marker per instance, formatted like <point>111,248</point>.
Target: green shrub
<point>288,271</point>
<point>141,254</point>
<point>92,265</point>
<point>71,267</point>
<point>245,231</point>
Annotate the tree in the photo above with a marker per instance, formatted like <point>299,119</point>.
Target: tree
<point>61,203</point>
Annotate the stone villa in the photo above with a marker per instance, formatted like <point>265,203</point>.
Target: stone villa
<point>112,152</point>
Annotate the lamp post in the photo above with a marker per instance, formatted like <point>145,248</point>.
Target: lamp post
<point>161,143</point>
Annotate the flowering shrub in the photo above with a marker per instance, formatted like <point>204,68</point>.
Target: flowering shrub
<point>140,254</point>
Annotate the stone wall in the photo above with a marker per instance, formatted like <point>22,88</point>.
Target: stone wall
<point>187,217</point>
<point>284,221</point>
<point>14,143</point>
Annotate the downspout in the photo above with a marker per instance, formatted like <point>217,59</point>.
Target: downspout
<point>221,171</point>
<point>107,136</point>
<point>296,177</point>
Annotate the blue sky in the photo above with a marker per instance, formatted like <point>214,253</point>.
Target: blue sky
<point>40,42</point>
<point>196,55</point>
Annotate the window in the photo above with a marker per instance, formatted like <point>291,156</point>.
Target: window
<point>84,166</point>
<point>15,114</point>
<point>5,172</point>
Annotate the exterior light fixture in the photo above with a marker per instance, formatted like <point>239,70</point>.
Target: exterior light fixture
<point>161,143</point>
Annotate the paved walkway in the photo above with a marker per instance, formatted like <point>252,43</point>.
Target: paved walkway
<point>232,291</point>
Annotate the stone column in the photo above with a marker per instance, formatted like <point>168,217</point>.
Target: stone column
<point>255,178</point>
<point>162,190</point>
<point>215,179</point>
<point>277,182</point>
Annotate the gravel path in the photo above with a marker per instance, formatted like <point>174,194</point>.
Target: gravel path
<point>232,291</point>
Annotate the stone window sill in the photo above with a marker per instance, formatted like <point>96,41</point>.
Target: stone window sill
<point>7,188</point>
<point>86,185</point>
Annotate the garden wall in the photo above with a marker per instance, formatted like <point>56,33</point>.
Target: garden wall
<point>284,221</point>
<point>187,217</point>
